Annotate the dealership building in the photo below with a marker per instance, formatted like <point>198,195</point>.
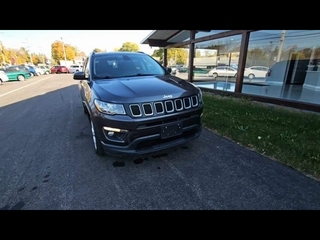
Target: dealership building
<point>274,66</point>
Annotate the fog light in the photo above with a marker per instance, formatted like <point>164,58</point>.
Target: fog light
<point>115,134</point>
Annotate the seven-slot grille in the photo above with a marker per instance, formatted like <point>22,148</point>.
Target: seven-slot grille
<point>161,107</point>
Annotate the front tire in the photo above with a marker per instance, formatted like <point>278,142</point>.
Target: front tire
<point>251,76</point>
<point>85,110</point>
<point>96,140</point>
<point>21,78</point>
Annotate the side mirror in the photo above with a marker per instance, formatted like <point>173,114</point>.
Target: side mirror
<point>79,76</point>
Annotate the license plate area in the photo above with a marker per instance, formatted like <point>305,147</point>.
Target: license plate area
<point>171,130</point>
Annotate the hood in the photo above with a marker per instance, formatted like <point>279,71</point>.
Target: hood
<point>145,88</point>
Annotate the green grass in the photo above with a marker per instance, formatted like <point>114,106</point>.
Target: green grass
<point>283,134</point>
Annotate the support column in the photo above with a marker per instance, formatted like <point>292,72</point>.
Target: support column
<point>242,61</point>
<point>165,60</point>
<point>191,55</point>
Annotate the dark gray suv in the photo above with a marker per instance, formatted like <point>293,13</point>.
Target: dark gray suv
<point>135,106</point>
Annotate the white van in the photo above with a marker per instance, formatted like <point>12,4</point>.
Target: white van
<point>288,72</point>
<point>75,68</point>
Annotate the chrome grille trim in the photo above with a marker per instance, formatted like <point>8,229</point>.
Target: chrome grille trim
<point>178,104</point>
<point>187,103</point>
<point>163,107</point>
<point>131,106</point>
<point>194,101</point>
<point>169,106</point>
<point>158,105</point>
<point>147,109</point>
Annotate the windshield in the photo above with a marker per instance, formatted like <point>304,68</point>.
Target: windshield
<point>125,65</point>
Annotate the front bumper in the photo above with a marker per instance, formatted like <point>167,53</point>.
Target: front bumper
<point>141,136</point>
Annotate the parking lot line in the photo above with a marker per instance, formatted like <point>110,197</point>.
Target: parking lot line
<point>23,87</point>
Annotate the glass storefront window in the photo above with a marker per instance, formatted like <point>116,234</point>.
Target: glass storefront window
<point>291,57</point>
<point>283,64</point>
<point>216,63</point>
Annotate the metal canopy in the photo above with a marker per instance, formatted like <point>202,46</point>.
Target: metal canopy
<point>160,38</point>
<point>164,38</point>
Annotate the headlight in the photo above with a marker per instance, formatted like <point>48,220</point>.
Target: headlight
<point>109,108</point>
<point>199,93</point>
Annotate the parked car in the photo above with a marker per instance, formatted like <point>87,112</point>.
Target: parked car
<point>135,106</point>
<point>59,69</point>
<point>32,70</point>
<point>197,70</point>
<point>222,71</point>
<point>255,72</point>
<point>75,68</point>
<point>16,73</point>
<point>39,70</point>
<point>233,65</point>
<point>3,77</point>
<point>183,70</point>
<point>21,68</point>
<point>45,69</point>
<point>175,68</point>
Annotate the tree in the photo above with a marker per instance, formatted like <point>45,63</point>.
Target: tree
<point>57,51</point>
<point>82,54</point>
<point>178,55</point>
<point>158,53</point>
<point>97,50</point>
<point>257,56</point>
<point>70,52</point>
<point>129,47</point>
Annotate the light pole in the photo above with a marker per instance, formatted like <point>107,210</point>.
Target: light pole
<point>64,52</point>
<point>42,54</point>
<point>283,34</point>
<point>270,56</point>
<point>28,49</point>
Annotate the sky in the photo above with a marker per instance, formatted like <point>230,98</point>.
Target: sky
<point>39,41</point>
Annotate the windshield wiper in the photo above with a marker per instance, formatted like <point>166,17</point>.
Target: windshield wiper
<point>105,77</point>
<point>136,75</point>
<point>146,74</point>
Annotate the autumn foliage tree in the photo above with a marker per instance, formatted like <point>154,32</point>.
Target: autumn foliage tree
<point>177,55</point>
<point>129,47</point>
<point>57,52</point>
<point>97,50</point>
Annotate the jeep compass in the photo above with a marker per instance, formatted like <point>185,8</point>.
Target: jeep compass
<point>135,106</point>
